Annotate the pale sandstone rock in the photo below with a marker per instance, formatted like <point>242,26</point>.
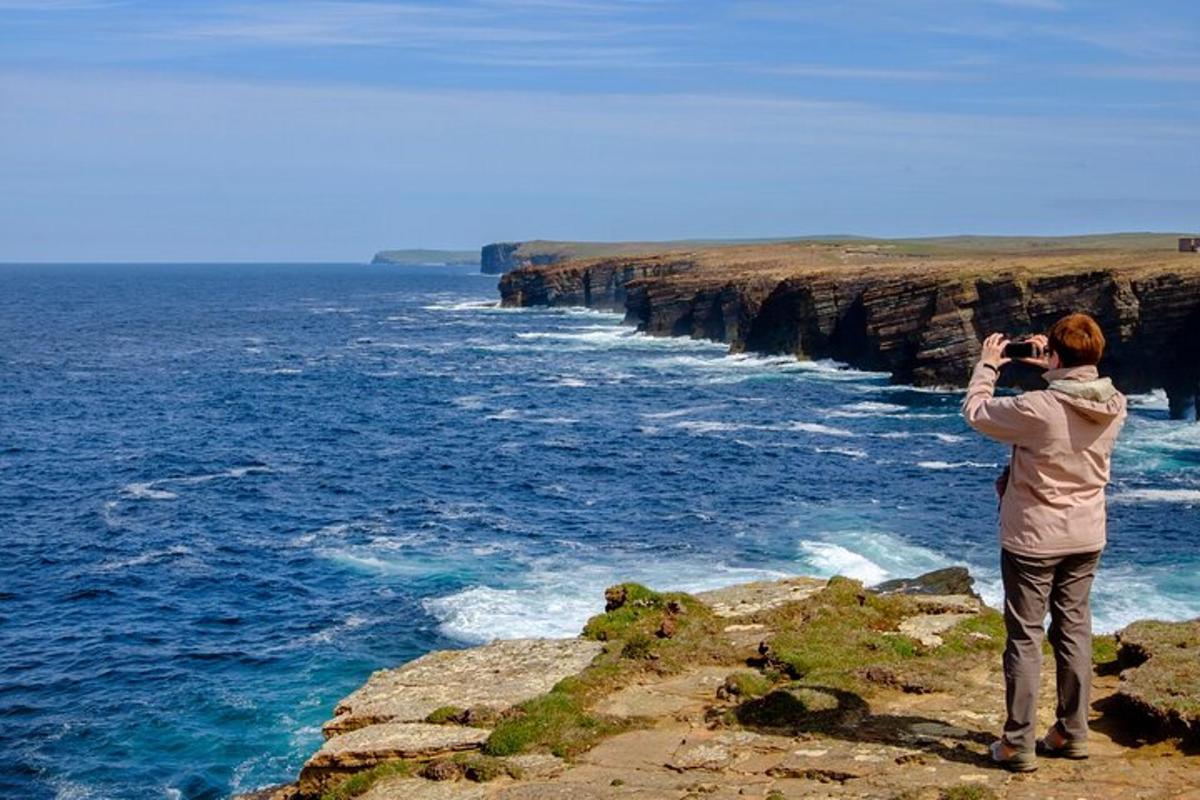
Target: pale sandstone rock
<point>947,603</point>
<point>537,765</point>
<point>750,598</point>
<point>421,789</point>
<point>499,674</point>
<point>926,628</point>
<point>363,748</point>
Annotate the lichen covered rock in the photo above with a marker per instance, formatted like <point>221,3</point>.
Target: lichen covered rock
<point>1161,676</point>
<point>496,675</point>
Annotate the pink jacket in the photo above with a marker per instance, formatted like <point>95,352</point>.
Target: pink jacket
<point>1062,440</point>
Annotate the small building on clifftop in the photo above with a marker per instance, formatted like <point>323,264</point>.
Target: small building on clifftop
<point>1189,244</point>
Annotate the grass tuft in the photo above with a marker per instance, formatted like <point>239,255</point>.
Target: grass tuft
<point>360,783</point>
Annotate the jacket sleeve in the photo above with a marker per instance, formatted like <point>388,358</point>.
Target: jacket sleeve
<point>1006,419</point>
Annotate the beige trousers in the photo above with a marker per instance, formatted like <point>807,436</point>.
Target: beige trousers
<point>1064,584</point>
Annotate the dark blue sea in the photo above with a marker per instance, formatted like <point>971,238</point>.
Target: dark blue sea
<point>228,493</point>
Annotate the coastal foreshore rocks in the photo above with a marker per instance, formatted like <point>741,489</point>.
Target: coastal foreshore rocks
<point>918,316</point>
<point>496,675</point>
<point>796,688</point>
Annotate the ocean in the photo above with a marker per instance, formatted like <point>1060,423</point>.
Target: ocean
<point>230,492</point>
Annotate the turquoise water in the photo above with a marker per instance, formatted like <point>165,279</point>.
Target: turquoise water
<point>228,493</point>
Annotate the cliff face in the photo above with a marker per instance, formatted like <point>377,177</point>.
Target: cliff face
<point>597,284</point>
<point>501,257</point>
<point>920,319</point>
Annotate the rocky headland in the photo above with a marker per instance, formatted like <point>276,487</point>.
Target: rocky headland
<point>916,309</point>
<point>424,257</point>
<point>799,688</point>
<point>501,257</point>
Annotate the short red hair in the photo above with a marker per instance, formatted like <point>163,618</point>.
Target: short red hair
<point>1078,340</point>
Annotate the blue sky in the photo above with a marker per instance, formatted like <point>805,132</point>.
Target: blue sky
<point>304,130</point>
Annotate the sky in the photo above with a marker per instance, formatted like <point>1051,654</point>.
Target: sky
<point>302,130</point>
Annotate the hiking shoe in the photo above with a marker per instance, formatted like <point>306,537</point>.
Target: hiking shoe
<point>1056,744</point>
<point>1005,755</point>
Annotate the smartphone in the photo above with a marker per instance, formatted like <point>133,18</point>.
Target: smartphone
<point>1021,350</point>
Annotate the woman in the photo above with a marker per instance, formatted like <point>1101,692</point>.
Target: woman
<point>1052,525</point>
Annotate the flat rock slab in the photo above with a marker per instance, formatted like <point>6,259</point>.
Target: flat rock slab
<point>947,603</point>
<point>388,741</point>
<point>499,675</point>
<point>691,692</point>
<point>421,789</point>
<point>750,598</point>
<point>927,628</point>
<point>708,752</point>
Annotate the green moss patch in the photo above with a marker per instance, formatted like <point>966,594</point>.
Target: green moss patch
<point>360,783</point>
<point>1161,677</point>
<point>556,722</point>
<point>446,715</point>
<point>828,638</point>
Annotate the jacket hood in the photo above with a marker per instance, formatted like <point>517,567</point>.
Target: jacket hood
<point>1081,389</point>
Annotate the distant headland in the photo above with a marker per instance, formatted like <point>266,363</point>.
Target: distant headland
<point>423,257</point>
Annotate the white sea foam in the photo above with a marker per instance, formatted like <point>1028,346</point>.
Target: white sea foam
<point>717,426</point>
<point>869,556</point>
<point>843,451</point>
<point>464,305</point>
<point>334,310</point>
<point>1155,399</point>
<point>947,438</point>
<point>149,490</point>
<point>482,613</point>
<point>146,491</point>
<point>1186,496</point>
<point>867,408</point>
<point>327,635</point>
<point>570,382</point>
<point>149,557</point>
<point>470,402</point>
<point>710,426</point>
<point>1150,445</point>
<point>956,465</point>
<point>681,412</point>
<point>559,597</point>
<point>1125,593</point>
<point>833,559</point>
<point>815,427</point>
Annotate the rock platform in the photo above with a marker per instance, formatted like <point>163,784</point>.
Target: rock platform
<point>895,738</point>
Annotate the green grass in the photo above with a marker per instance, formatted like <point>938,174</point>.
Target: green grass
<point>446,715</point>
<point>747,684</point>
<point>360,783</point>
<point>953,793</point>
<point>561,722</point>
<point>828,638</point>
<point>1104,649</point>
<point>556,722</point>
<point>482,768</point>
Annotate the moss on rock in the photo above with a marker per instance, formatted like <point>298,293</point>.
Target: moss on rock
<point>1161,677</point>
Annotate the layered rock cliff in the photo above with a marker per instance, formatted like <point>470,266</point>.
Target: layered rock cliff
<point>919,317</point>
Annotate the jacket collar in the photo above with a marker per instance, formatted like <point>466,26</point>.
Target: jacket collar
<point>1084,373</point>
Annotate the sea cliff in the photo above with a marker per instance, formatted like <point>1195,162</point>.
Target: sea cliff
<point>795,688</point>
<point>916,312</point>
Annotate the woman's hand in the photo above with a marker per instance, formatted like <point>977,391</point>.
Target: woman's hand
<point>1042,342</point>
<point>992,353</point>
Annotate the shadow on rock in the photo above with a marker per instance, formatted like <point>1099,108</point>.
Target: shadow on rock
<point>846,715</point>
